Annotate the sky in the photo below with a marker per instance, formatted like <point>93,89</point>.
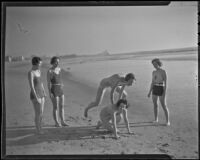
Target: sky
<point>91,30</point>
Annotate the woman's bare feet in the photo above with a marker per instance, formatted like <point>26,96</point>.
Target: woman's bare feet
<point>57,125</point>
<point>64,124</point>
<point>98,125</point>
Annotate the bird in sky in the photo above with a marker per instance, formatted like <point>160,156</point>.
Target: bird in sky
<point>21,29</point>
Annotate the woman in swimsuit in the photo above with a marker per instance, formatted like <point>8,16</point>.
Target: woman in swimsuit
<point>55,87</point>
<point>158,89</point>
<point>116,83</point>
<point>37,94</point>
<point>111,115</point>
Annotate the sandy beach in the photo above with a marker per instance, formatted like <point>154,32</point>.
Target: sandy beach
<point>81,79</point>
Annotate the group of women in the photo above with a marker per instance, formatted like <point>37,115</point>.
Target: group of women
<point>38,94</point>
<point>111,114</point>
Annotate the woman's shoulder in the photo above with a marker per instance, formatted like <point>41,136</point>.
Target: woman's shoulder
<point>162,70</point>
<point>31,72</point>
<point>49,70</point>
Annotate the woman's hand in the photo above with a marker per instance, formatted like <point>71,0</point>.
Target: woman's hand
<point>117,136</point>
<point>129,132</point>
<point>149,94</point>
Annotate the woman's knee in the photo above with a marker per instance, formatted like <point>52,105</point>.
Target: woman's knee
<point>155,100</point>
<point>162,102</point>
<point>155,103</point>
<point>164,107</point>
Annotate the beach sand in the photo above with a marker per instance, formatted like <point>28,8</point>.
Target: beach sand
<point>180,140</point>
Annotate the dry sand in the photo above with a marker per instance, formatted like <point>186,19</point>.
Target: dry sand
<point>180,140</point>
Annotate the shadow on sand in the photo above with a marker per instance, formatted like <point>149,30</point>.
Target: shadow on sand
<point>26,135</point>
<point>16,136</point>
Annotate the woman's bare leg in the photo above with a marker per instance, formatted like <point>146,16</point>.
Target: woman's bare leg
<point>100,93</point>
<point>38,107</point>
<point>155,102</point>
<point>61,110</point>
<point>55,101</point>
<point>166,111</point>
<point>41,111</point>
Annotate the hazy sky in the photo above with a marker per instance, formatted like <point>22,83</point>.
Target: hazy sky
<point>91,30</point>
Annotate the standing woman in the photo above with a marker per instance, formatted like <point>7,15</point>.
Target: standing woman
<point>37,94</point>
<point>158,89</point>
<point>55,86</point>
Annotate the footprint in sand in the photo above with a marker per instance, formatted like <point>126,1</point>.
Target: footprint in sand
<point>124,135</point>
<point>81,145</point>
<point>165,145</point>
<point>15,123</point>
<point>122,152</point>
<point>72,119</point>
<point>162,150</point>
<point>84,119</point>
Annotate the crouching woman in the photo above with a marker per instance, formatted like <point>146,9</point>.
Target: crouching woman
<point>111,115</point>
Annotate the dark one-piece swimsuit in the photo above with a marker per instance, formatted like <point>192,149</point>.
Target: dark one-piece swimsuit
<point>56,85</point>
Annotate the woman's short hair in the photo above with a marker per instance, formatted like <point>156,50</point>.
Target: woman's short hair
<point>36,60</point>
<point>124,101</point>
<point>157,61</point>
<point>129,76</point>
<point>54,59</point>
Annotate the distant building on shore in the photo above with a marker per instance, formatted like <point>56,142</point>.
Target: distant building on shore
<point>8,58</point>
<point>18,58</point>
<point>104,53</point>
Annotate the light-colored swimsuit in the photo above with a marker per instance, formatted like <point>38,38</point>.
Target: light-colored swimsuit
<point>38,88</point>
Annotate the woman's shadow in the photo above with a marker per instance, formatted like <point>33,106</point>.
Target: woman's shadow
<point>17,136</point>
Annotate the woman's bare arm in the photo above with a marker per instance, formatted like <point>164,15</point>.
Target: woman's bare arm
<point>165,80</point>
<point>49,82</point>
<point>115,125</point>
<point>151,86</point>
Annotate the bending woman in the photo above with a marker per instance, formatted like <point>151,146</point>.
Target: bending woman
<point>158,89</point>
<point>116,83</point>
<point>55,86</point>
<point>37,94</point>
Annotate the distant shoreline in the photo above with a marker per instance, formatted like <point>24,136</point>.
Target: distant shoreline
<point>124,53</point>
